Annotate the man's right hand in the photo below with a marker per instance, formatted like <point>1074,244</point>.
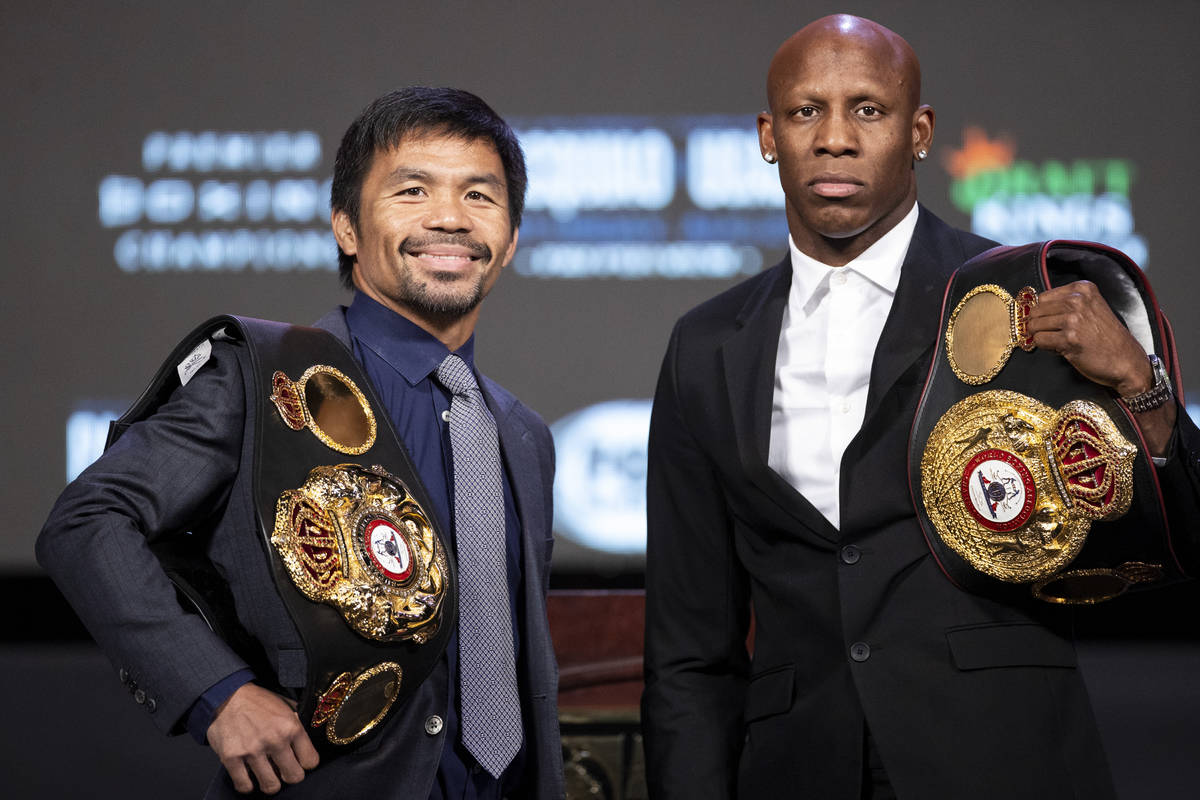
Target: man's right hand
<point>257,731</point>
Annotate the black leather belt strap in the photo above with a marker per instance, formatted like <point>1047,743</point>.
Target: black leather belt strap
<point>283,460</point>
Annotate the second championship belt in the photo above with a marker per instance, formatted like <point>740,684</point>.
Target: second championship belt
<point>1024,473</point>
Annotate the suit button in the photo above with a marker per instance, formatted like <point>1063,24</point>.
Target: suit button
<point>139,696</point>
<point>446,415</point>
<point>123,674</point>
<point>151,705</point>
<point>851,554</point>
<point>860,651</point>
<point>433,725</point>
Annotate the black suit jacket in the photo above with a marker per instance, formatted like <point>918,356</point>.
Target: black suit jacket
<point>965,696</point>
<point>180,472</point>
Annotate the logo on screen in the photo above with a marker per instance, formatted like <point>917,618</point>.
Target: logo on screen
<point>600,482</point>
<point>1014,200</point>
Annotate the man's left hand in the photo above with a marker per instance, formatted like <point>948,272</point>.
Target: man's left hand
<point>1075,321</point>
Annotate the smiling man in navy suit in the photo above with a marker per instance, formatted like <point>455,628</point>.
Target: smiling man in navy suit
<point>428,190</point>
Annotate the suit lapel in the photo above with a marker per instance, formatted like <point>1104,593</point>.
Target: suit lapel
<point>516,447</point>
<point>911,329</point>
<point>749,362</point>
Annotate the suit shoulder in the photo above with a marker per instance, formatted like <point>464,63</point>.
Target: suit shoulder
<point>504,399</point>
<point>934,229</point>
<point>973,244</point>
<point>723,310</point>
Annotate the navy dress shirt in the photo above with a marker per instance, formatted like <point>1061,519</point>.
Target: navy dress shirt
<point>401,359</point>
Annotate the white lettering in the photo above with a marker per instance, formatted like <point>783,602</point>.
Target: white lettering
<point>231,151</point>
<point>598,168</point>
<point>637,260</point>
<point>726,170</point>
<point>282,250</point>
<point>120,201</point>
<point>168,201</point>
<point>1018,219</point>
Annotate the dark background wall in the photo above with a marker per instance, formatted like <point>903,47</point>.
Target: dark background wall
<point>1095,101</point>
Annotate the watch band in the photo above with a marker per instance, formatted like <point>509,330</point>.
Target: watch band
<point>1156,395</point>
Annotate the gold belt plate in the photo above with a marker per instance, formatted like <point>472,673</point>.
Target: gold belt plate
<point>984,328</point>
<point>1012,485</point>
<point>354,538</point>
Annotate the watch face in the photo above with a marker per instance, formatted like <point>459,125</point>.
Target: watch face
<point>388,550</point>
<point>1161,378</point>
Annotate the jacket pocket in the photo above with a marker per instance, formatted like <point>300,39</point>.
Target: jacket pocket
<point>770,693</point>
<point>1014,644</point>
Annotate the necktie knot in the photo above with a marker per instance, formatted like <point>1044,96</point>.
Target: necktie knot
<point>455,375</point>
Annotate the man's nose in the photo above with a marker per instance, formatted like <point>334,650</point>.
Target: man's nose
<point>447,213</point>
<point>836,136</point>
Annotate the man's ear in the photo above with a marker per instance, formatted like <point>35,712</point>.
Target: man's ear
<point>766,137</point>
<point>512,248</point>
<point>923,119</point>
<point>344,233</point>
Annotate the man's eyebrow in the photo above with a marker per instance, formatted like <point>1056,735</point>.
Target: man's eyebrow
<point>401,174</point>
<point>488,178</point>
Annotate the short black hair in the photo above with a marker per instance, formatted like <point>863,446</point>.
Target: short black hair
<point>412,112</point>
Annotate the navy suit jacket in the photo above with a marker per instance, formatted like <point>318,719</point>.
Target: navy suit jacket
<point>180,473</point>
<point>965,696</point>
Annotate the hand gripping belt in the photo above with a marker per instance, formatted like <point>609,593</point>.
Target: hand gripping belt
<point>1024,474</point>
<point>353,550</point>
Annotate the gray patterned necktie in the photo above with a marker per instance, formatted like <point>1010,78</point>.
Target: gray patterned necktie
<point>487,674</point>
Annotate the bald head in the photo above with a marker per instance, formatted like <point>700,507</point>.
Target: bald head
<point>843,36</point>
<point>846,126</point>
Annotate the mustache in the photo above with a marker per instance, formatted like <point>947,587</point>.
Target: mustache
<point>477,249</point>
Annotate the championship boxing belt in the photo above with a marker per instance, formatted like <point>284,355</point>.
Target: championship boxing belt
<point>355,554</point>
<point>1022,471</point>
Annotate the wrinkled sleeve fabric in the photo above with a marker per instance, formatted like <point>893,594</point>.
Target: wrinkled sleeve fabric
<point>168,475</point>
<point>697,606</point>
<point>1179,479</point>
<point>545,447</point>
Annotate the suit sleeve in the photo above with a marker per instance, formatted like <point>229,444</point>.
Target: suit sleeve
<point>697,608</point>
<point>1180,482</point>
<point>168,475</point>
<point>544,447</point>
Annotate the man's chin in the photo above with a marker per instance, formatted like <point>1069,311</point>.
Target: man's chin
<point>445,304</point>
<point>839,224</point>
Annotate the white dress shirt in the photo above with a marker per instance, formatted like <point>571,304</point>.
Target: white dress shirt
<point>830,329</point>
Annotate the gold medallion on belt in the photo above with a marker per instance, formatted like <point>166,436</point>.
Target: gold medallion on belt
<point>355,538</point>
<point>1013,485</point>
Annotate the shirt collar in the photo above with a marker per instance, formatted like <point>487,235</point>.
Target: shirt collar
<point>408,348</point>
<point>880,263</point>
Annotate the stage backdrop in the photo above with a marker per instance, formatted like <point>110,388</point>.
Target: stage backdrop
<point>165,162</point>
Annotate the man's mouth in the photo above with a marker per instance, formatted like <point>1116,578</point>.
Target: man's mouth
<point>447,255</point>
<point>835,185</point>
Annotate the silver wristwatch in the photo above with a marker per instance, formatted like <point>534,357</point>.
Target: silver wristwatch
<point>1156,395</point>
